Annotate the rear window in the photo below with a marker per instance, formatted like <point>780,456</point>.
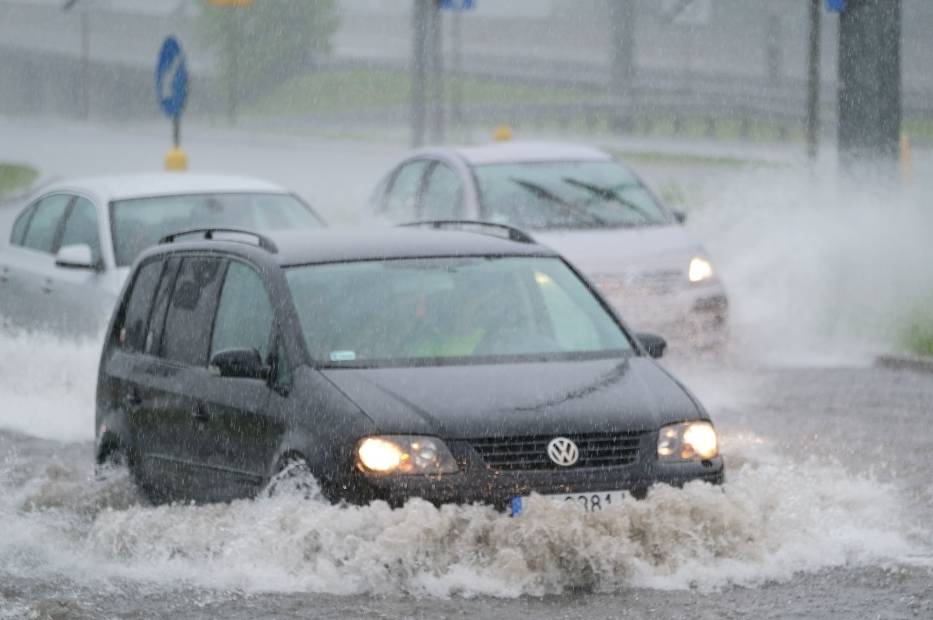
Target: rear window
<point>141,222</point>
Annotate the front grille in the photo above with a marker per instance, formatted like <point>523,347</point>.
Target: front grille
<point>530,452</point>
<point>635,284</point>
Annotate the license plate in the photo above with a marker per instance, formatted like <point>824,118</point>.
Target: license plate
<point>590,502</point>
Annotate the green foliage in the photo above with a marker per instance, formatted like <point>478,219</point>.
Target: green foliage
<point>261,45</point>
<point>15,177</point>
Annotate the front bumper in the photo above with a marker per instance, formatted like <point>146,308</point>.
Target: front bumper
<point>697,315</point>
<point>478,483</point>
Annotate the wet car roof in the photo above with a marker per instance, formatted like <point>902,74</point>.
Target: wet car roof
<point>336,245</point>
<point>127,186</point>
<point>505,152</point>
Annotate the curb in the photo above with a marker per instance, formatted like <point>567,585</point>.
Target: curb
<point>915,363</point>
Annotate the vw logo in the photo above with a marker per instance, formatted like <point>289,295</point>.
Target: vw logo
<point>563,451</point>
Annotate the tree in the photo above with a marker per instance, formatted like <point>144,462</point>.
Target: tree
<point>263,44</point>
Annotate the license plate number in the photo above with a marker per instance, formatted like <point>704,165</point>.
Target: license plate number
<point>590,502</point>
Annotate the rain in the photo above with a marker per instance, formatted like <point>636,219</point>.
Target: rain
<point>748,183</point>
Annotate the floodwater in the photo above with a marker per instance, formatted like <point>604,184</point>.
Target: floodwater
<point>824,512</point>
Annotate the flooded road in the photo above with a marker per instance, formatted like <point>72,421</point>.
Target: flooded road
<point>825,513</point>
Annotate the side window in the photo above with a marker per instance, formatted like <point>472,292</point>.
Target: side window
<point>186,335</point>
<point>244,314</point>
<point>139,306</point>
<point>443,194</point>
<point>19,226</point>
<point>81,227</point>
<point>405,191</point>
<point>45,222</point>
<point>160,306</point>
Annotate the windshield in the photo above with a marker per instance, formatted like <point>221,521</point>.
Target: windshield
<point>567,194</point>
<point>413,311</point>
<point>141,222</point>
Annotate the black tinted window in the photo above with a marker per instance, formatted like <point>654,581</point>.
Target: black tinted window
<point>160,306</point>
<point>40,235</point>
<point>19,226</point>
<point>187,331</point>
<point>139,306</point>
<point>81,227</point>
<point>442,195</point>
<point>244,315</point>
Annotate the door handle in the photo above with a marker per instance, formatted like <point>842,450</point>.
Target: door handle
<point>199,412</point>
<point>47,287</point>
<point>5,274</point>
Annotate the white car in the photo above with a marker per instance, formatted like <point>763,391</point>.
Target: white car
<point>70,248</point>
<point>588,206</point>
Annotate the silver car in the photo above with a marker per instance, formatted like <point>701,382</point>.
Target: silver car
<point>585,204</point>
<point>70,248</point>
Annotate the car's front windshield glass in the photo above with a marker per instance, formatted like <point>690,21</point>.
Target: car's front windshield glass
<point>450,310</point>
<point>141,222</point>
<point>566,195</point>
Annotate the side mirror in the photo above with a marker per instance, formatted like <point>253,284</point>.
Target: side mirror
<point>654,345</point>
<point>680,216</point>
<point>239,364</point>
<point>77,256</point>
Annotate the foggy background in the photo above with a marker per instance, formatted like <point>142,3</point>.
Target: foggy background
<point>735,70</point>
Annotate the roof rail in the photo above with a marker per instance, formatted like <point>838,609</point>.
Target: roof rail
<point>208,233</point>
<point>513,233</point>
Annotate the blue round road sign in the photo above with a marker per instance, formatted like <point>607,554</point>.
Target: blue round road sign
<point>171,78</point>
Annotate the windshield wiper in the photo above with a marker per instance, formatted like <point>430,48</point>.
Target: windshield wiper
<point>611,194</point>
<point>566,207</point>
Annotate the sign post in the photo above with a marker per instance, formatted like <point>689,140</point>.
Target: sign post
<point>172,93</point>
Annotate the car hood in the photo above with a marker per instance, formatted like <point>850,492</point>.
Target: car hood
<point>624,249</point>
<point>484,400</point>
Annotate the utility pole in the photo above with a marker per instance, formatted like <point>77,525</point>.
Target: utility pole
<point>622,60</point>
<point>869,82</point>
<point>436,57</point>
<point>419,14</point>
<point>456,48</point>
<point>84,90</point>
<point>813,81</point>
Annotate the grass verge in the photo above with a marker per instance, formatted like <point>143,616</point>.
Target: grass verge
<point>15,177</point>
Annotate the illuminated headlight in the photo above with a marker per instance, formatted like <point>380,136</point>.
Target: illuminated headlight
<point>688,441</point>
<point>404,454</point>
<point>700,269</point>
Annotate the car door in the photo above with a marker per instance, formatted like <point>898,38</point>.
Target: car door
<point>13,307</point>
<point>241,434</point>
<point>172,413</point>
<point>402,200</point>
<point>31,263</point>
<point>442,196</point>
<point>81,293</point>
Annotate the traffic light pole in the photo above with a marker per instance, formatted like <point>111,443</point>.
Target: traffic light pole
<point>869,82</point>
<point>813,81</point>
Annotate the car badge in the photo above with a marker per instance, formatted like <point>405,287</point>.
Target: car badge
<point>563,451</point>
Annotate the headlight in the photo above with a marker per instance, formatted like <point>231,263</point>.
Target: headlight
<point>688,440</point>
<point>404,454</point>
<point>700,269</point>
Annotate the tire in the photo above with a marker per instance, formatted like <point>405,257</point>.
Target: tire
<point>293,477</point>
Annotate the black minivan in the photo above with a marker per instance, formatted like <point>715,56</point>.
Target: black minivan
<point>452,365</point>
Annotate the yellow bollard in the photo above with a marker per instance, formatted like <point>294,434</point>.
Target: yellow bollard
<point>907,163</point>
<point>502,133</point>
<point>176,160</point>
